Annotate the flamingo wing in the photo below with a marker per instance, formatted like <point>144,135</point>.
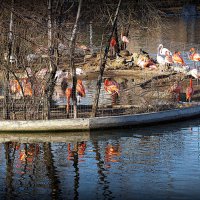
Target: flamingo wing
<point>196,57</point>
<point>112,89</point>
<point>178,59</point>
<point>80,90</point>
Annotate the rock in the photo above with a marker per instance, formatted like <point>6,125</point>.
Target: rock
<point>88,57</point>
<point>125,53</point>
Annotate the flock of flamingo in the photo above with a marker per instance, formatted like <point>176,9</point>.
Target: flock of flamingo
<point>164,57</point>
<point>110,86</point>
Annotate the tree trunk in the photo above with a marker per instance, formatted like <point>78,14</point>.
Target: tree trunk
<point>91,38</point>
<point>71,64</point>
<point>50,83</point>
<point>102,66</point>
<point>6,114</point>
<point>117,40</point>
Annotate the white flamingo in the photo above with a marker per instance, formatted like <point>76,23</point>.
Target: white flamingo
<point>160,57</point>
<point>163,50</point>
<point>195,73</point>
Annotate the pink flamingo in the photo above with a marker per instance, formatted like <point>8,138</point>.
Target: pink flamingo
<point>124,40</point>
<point>176,89</point>
<point>177,58</point>
<point>189,91</point>
<point>80,89</point>
<point>112,88</point>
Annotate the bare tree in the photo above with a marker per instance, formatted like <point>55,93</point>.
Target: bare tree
<point>103,63</point>
<point>71,64</point>
<point>9,62</point>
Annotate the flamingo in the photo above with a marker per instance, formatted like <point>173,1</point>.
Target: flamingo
<point>146,62</point>
<point>80,89</point>
<point>194,56</point>
<point>195,73</point>
<point>125,40</point>
<point>68,94</point>
<point>189,91</point>
<point>160,58</point>
<point>112,88</point>
<point>163,50</point>
<point>142,62</point>
<point>176,90</point>
<point>15,86</point>
<point>113,42</point>
<point>177,58</point>
<point>26,86</point>
<point>112,46</point>
<point>168,58</point>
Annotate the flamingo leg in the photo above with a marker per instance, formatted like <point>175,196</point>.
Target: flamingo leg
<point>114,98</point>
<point>68,105</point>
<point>197,71</point>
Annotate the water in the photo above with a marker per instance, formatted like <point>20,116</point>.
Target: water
<point>176,33</point>
<point>159,162</point>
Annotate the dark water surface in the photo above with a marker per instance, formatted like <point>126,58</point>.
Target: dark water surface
<point>158,162</point>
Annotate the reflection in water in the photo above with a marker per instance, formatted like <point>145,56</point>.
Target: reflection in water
<point>159,162</point>
<point>112,153</point>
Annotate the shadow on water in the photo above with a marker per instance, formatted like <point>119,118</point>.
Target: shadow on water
<point>157,129</point>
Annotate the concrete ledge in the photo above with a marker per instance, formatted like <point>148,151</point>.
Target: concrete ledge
<point>146,118</point>
<point>81,124</point>
<point>45,125</point>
